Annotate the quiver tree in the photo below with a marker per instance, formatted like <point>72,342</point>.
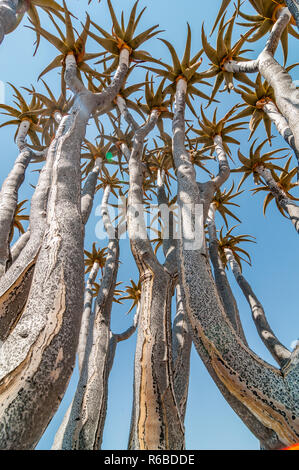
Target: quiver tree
<point>128,125</point>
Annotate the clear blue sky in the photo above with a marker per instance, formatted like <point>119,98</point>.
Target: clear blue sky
<point>210,423</point>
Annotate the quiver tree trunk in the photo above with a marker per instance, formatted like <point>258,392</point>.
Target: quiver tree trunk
<point>83,424</point>
<point>156,421</point>
<point>37,359</point>
<point>56,299</point>
<point>257,391</point>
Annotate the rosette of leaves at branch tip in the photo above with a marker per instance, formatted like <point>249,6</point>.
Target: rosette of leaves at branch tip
<point>222,199</point>
<point>132,292</point>
<point>232,242</point>
<point>96,255</point>
<point>117,293</point>
<point>254,99</point>
<point>67,43</point>
<point>19,217</point>
<point>185,69</point>
<point>197,156</point>
<point>123,37</point>
<point>112,181</point>
<point>31,7</point>
<point>257,159</point>
<point>119,138</point>
<point>50,106</point>
<point>221,11</point>
<point>163,151</point>
<point>155,99</point>
<point>224,127</point>
<point>268,12</point>
<point>23,111</point>
<point>223,53</point>
<point>99,150</point>
<point>159,160</point>
<point>284,182</point>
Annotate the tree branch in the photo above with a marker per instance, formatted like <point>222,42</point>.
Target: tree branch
<point>8,204</point>
<point>280,353</point>
<point>222,284</point>
<point>224,169</point>
<point>140,243</point>
<point>282,199</point>
<point>88,191</point>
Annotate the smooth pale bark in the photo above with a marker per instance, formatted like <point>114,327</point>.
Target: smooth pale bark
<point>89,189</point>
<point>169,229</point>
<point>156,422</point>
<point>208,188</point>
<point>19,245</point>
<point>279,352</point>
<point>121,104</point>
<point>85,322</point>
<point>181,348</point>
<point>281,125</point>
<point>282,199</point>
<point>8,204</point>
<point>223,287</point>
<point>286,94</point>
<point>224,170</point>
<point>37,359</point>
<point>258,392</point>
